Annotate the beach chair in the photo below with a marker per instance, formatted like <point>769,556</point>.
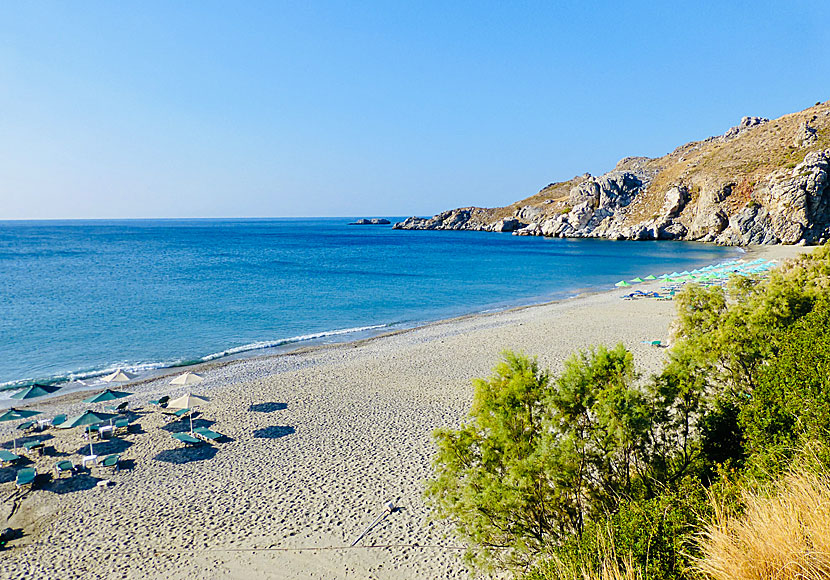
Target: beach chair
<point>187,439</point>
<point>207,434</point>
<point>58,420</point>
<point>34,447</point>
<point>176,415</point>
<point>161,403</point>
<point>122,425</point>
<point>7,456</point>
<point>25,477</point>
<point>65,466</point>
<point>110,462</point>
<point>122,408</point>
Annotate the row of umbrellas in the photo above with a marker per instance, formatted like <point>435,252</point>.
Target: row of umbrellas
<point>93,417</point>
<point>119,376</point>
<point>709,273</point>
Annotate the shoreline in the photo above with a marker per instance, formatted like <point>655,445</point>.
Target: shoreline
<point>90,379</point>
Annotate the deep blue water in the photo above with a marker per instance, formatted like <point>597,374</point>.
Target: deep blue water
<point>81,297</point>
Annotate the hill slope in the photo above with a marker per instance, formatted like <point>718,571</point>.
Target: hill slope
<point>762,182</point>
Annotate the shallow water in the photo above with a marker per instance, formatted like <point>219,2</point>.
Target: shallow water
<point>81,297</point>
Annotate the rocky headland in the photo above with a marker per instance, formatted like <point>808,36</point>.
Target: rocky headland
<point>761,182</point>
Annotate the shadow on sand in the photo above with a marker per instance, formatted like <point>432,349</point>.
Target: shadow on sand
<point>268,407</point>
<point>187,454</point>
<point>273,432</point>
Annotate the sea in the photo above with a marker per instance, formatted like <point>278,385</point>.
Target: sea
<point>81,298</point>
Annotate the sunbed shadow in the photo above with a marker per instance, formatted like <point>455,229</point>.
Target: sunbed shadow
<point>78,482</point>
<point>42,437</point>
<point>105,447</point>
<point>187,454</point>
<point>267,407</point>
<point>126,465</point>
<point>273,432</point>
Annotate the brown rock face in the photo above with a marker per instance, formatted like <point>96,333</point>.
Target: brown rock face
<point>761,182</point>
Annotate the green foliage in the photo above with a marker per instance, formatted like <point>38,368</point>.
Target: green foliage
<point>541,458</point>
<point>492,476</point>
<point>652,534</point>
<point>729,335</point>
<point>791,405</point>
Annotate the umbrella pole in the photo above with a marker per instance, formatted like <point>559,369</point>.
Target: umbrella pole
<point>191,423</point>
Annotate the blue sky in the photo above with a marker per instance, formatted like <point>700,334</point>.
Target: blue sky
<point>220,109</point>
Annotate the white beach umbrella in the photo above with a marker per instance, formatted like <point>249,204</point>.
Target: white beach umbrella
<point>119,376</point>
<point>187,401</point>
<point>187,378</point>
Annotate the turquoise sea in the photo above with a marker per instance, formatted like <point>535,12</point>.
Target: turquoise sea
<point>79,298</point>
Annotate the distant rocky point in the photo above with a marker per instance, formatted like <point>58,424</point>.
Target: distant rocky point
<point>371,222</point>
<point>761,182</point>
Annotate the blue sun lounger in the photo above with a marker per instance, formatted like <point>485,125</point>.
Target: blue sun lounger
<point>25,477</point>
<point>64,466</point>
<point>110,462</point>
<point>7,456</point>
<point>206,434</point>
<point>187,438</point>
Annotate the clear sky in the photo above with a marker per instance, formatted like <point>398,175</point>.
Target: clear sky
<point>234,109</point>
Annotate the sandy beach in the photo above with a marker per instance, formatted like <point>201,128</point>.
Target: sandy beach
<point>317,442</point>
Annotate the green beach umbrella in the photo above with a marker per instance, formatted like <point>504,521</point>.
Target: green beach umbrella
<point>650,277</point>
<point>637,279</point>
<point>107,395</point>
<point>88,418</point>
<point>35,391</point>
<point>17,415</point>
<point>622,284</point>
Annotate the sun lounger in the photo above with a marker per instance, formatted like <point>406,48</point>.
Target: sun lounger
<point>110,462</point>
<point>162,402</point>
<point>34,446</point>
<point>27,426</point>
<point>25,477</point>
<point>122,408</point>
<point>122,425</point>
<point>176,415</point>
<point>58,420</point>
<point>187,438</point>
<point>65,466</point>
<point>7,456</point>
<point>206,434</point>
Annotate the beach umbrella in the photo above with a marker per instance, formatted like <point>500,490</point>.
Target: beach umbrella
<point>107,395</point>
<point>663,276</point>
<point>119,376</point>
<point>187,401</point>
<point>650,277</point>
<point>622,284</point>
<point>88,418</point>
<point>35,391</point>
<point>637,279</point>
<point>16,415</point>
<point>187,378</point>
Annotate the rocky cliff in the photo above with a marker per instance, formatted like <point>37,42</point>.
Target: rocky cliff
<point>762,182</point>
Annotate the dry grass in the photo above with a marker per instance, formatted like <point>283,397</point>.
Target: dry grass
<point>784,535</point>
<point>608,569</point>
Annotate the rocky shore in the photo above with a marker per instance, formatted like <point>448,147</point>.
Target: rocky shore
<point>761,182</point>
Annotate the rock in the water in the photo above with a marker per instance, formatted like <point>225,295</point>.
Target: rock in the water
<point>371,222</point>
